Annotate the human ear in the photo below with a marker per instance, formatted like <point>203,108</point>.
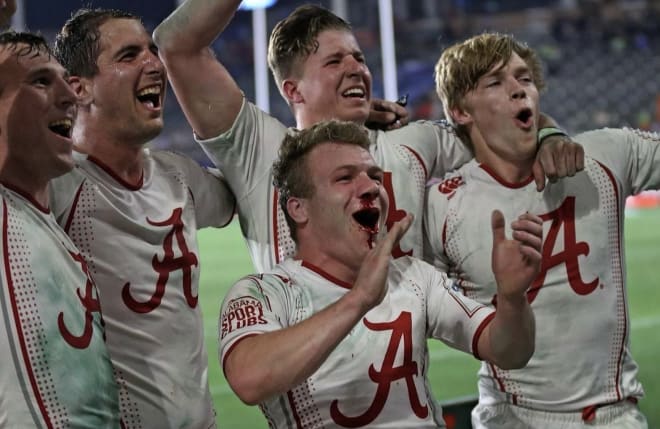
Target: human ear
<point>291,92</point>
<point>83,89</point>
<point>297,210</point>
<point>460,115</point>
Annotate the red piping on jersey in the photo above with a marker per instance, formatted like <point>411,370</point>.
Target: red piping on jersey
<point>477,335</point>
<point>292,404</point>
<point>27,196</point>
<point>231,349</point>
<point>327,276</point>
<point>419,158</point>
<point>115,176</point>
<point>74,205</point>
<point>503,182</point>
<point>623,291</point>
<point>275,236</point>
<point>19,329</point>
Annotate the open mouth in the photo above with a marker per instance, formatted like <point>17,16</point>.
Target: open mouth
<point>354,93</point>
<point>150,96</point>
<point>525,116</point>
<point>368,219</point>
<point>61,127</point>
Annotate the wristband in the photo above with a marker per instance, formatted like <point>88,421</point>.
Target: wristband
<point>547,132</point>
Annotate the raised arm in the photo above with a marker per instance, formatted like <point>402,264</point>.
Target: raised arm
<point>296,352</point>
<point>508,341</point>
<point>7,10</point>
<point>207,93</point>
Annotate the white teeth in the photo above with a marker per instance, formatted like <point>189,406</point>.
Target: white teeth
<point>152,90</point>
<point>354,91</point>
<point>62,123</point>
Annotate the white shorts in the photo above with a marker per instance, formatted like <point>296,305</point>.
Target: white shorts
<point>621,415</point>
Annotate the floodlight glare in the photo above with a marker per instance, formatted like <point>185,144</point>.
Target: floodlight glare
<point>256,4</point>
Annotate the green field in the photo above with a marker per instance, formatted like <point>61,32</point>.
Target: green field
<point>224,260</point>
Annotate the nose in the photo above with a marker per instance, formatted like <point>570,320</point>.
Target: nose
<point>66,96</point>
<point>517,90</point>
<point>152,63</point>
<point>369,189</point>
<point>354,67</point>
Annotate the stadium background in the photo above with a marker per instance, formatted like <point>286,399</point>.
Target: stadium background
<point>602,63</point>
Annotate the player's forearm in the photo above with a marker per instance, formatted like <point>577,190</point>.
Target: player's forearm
<point>509,339</point>
<point>194,25</point>
<point>270,364</point>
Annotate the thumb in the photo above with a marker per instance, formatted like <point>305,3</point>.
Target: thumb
<point>497,225</point>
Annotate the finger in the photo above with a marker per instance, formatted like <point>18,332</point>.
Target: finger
<point>394,125</point>
<point>560,162</point>
<point>571,167</point>
<point>382,117</point>
<point>539,175</point>
<point>378,104</point>
<point>394,234</point>
<point>497,225</point>
<point>400,111</point>
<point>531,254</point>
<point>528,239</point>
<point>579,158</point>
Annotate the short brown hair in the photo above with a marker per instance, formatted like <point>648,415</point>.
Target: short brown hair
<point>291,173</point>
<point>294,38</point>
<point>77,45</point>
<point>460,66</point>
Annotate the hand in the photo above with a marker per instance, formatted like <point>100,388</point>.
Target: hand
<point>7,10</point>
<point>558,157</point>
<point>387,115</point>
<point>372,278</point>
<point>516,262</point>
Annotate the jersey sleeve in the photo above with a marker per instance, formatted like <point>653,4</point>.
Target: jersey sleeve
<point>214,202</point>
<point>245,153</point>
<point>633,154</point>
<point>254,305</point>
<point>435,143</point>
<point>453,318</point>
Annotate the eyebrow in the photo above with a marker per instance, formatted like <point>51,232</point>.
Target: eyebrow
<point>500,71</point>
<point>126,49</point>
<point>49,70</point>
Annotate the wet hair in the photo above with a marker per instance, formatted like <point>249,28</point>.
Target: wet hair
<point>291,174</point>
<point>460,67</point>
<point>24,43</point>
<point>77,45</point>
<point>295,37</point>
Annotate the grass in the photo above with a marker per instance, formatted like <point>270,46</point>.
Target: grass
<point>224,260</point>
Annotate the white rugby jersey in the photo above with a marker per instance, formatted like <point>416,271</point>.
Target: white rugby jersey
<point>246,152</point>
<point>55,371</point>
<point>141,246</point>
<point>390,344</point>
<point>582,356</point>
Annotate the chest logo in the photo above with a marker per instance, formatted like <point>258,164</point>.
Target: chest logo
<point>90,302</point>
<point>167,264</point>
<point>401,333</point>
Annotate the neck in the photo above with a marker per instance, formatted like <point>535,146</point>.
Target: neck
<point>507,166</point>
<point>344,272</point>
<point>125,159</point>
<point>34,188</point>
